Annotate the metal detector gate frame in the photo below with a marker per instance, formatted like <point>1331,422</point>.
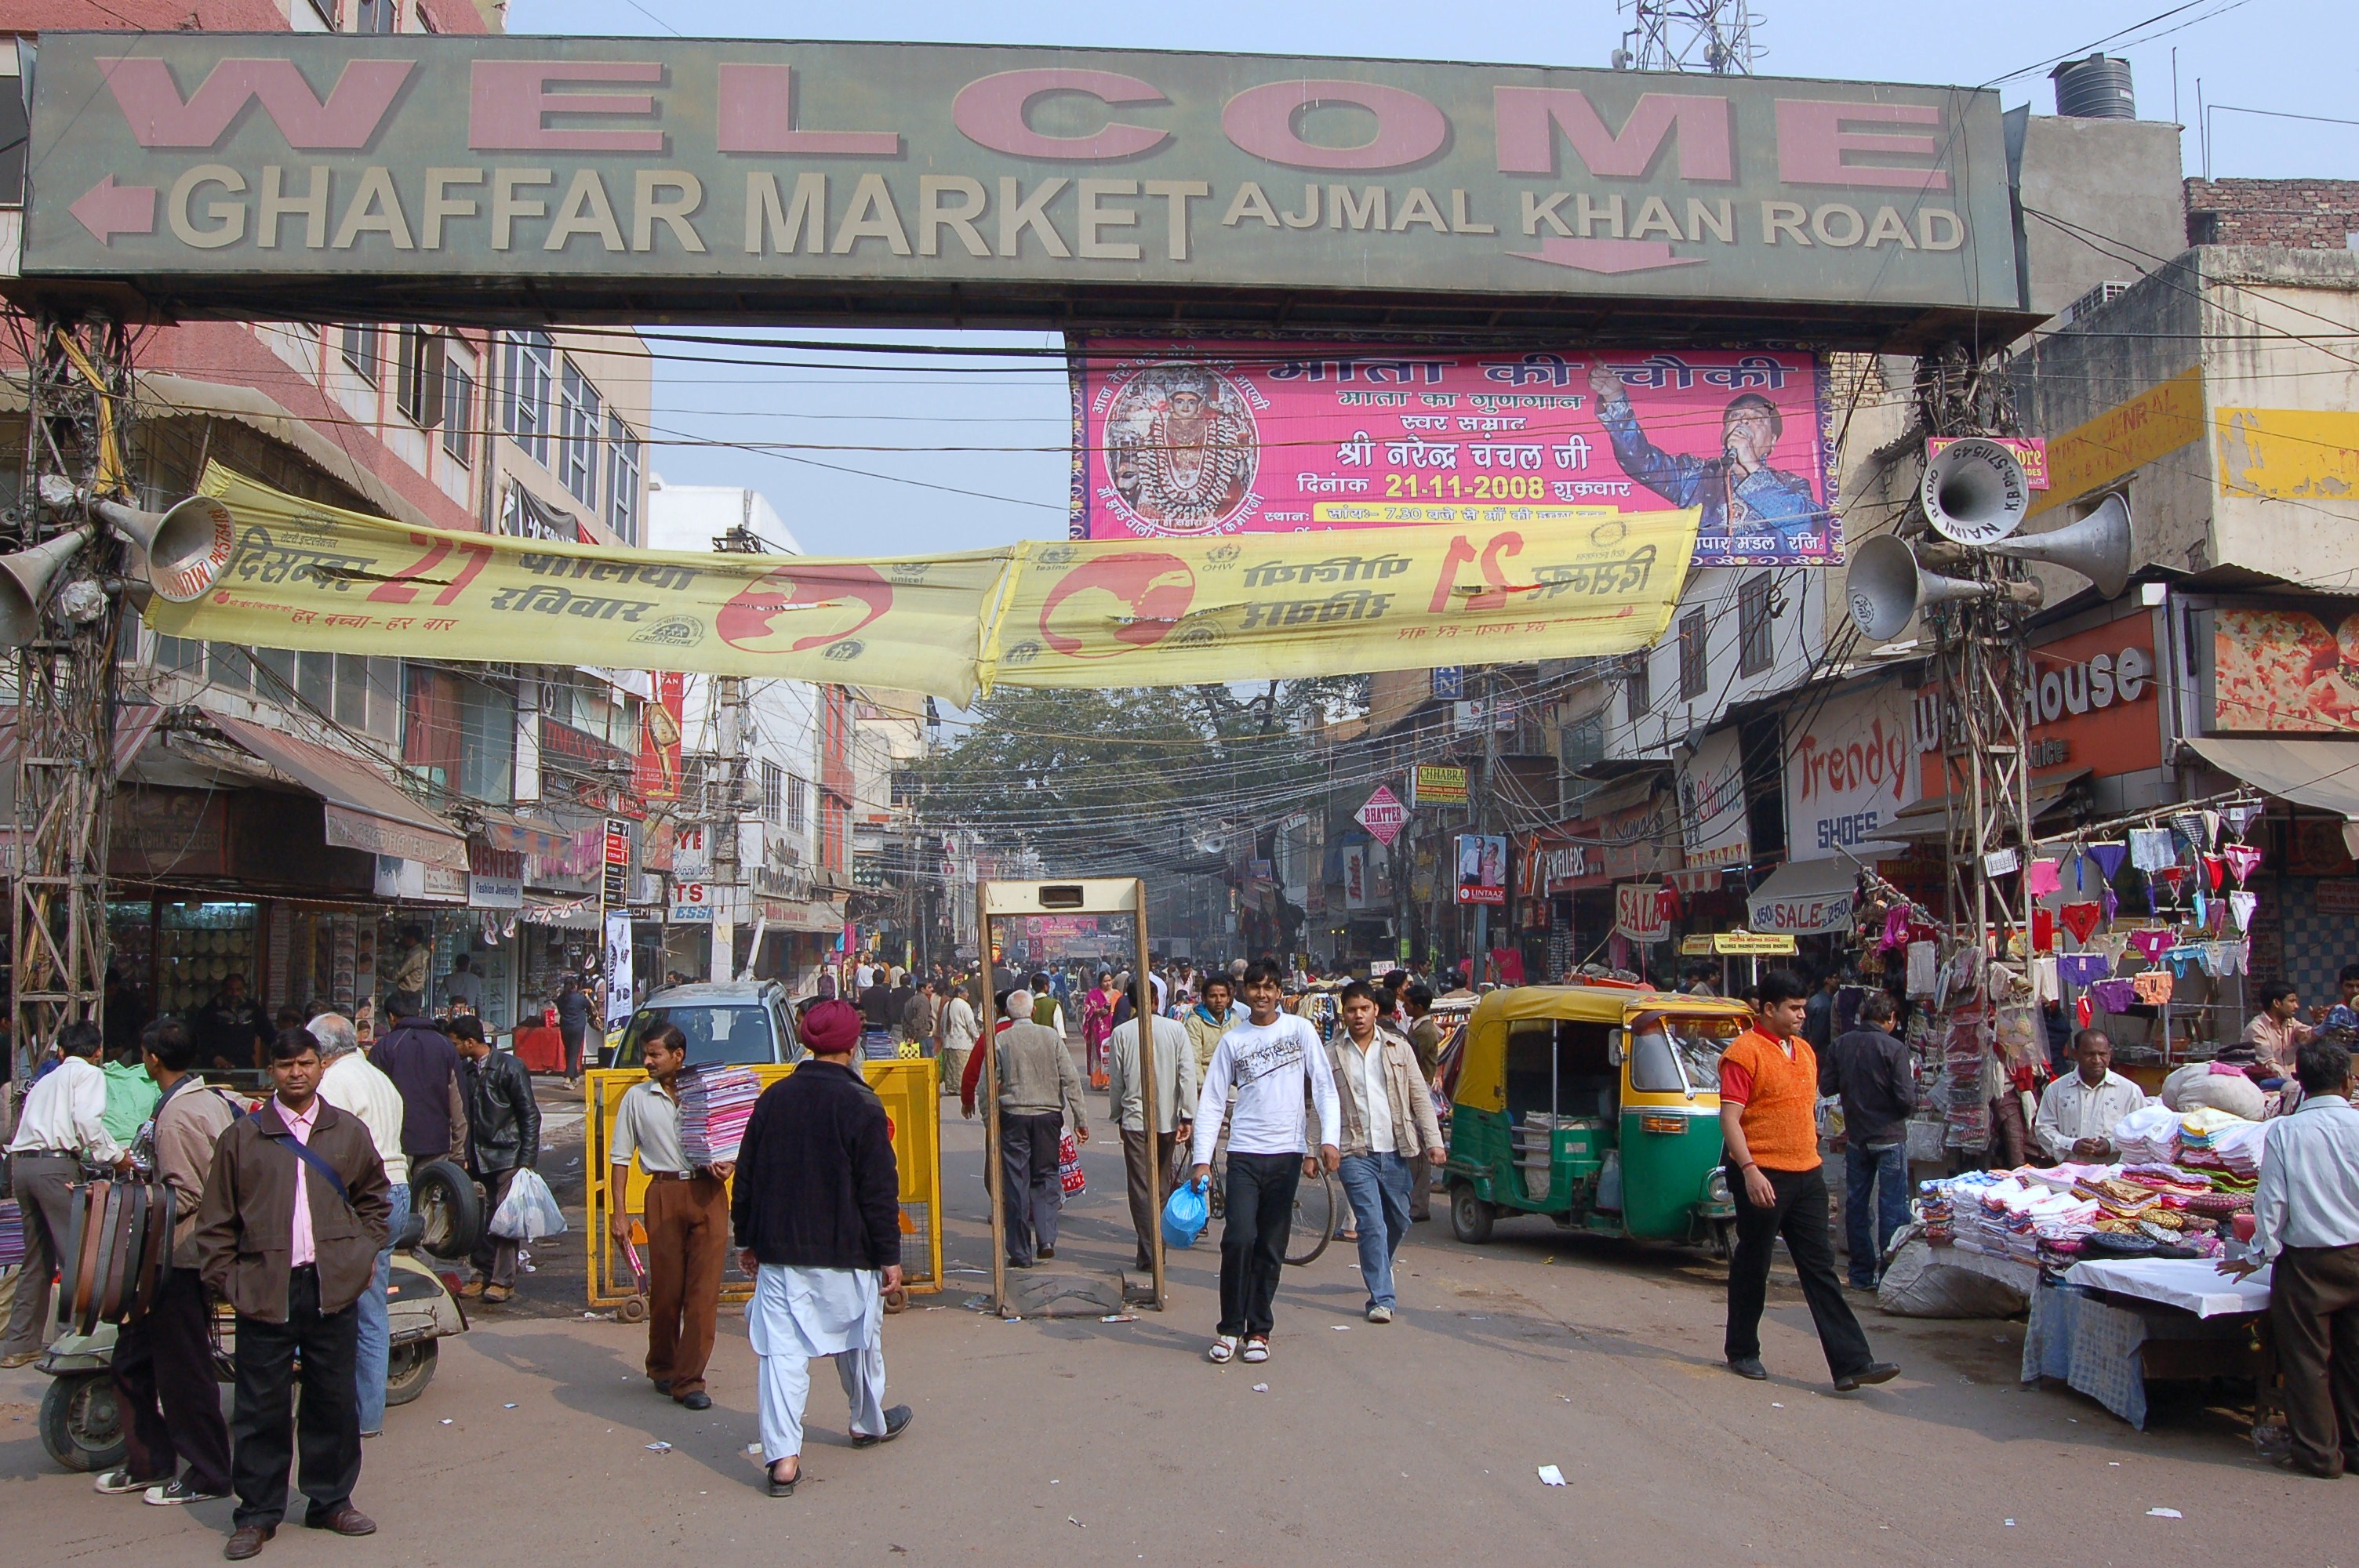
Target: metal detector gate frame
<point>1091,895</point>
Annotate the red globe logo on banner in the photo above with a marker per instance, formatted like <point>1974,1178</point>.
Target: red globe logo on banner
<point>749,621</point>
<point>1148,593</point>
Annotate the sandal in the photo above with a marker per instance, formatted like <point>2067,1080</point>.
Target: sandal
<point>785,1488</point>
<point>1256,1348</point>
<point>1222,1349</point>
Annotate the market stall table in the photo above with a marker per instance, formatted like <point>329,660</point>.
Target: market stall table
<point>2112,1325</point>
<point>540,1048</point>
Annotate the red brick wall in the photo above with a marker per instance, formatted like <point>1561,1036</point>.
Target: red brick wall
<point>2285,214</point>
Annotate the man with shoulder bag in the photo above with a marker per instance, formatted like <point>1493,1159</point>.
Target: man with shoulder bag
<point>295,1209</point>
<point>163,1367</point>
<point>503,1137</point>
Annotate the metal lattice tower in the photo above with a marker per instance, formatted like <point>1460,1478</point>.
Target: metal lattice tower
<point>76,425</point>
<point>1710,35</point>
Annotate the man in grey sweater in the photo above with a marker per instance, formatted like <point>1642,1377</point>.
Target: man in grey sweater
<point>1039,1087</point>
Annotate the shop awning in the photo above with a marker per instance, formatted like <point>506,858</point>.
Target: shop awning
<point>1930,819</point>
<point>133,723</point>
<point>1806,898</point>
<point>2320,775</point>
<point>366,810</point>
<point>522,834</point>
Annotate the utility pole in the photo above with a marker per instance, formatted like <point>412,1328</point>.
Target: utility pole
<point>76,428</point>
<point>1480,970</point>
<point>730,718</point>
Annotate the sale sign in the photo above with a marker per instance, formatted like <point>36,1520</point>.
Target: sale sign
<point>1182,439</point>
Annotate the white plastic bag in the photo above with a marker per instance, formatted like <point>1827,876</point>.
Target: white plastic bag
<point>529,1211</point>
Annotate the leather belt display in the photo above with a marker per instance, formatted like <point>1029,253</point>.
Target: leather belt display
<point>98,1251</point>
<point>70,1266</point>
<point>163,1209</point>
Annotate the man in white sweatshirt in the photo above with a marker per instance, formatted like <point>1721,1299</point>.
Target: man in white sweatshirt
<point>1268,1062</point>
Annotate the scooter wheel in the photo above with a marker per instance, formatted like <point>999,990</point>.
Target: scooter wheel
<point>82,1425</point>
<point>633,1310</point>
<point>407,1369</point>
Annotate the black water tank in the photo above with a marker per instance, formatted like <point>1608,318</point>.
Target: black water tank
<point>2097,88</point>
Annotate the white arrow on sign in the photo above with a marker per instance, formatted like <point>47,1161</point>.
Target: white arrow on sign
<point>1383,817</point>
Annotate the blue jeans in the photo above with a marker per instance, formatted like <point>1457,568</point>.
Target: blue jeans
<point>1877,1176</point>
<point>1378,1186</point>
<point>375,1346</point>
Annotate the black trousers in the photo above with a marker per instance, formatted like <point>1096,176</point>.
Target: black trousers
<point>2314,1313</point>
<point>262,1433</point>
<point>495,1258</point>
<point>164,1382</point>
<point>1031,1193</point>
<point>1800,1216</point>
<point>1260,1200</point>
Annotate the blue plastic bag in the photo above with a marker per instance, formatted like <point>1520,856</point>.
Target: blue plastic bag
<point>1186,1213</point>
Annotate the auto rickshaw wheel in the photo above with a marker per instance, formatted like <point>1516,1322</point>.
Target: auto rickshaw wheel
<point>1469,1218</point>
<point>1721,1246</point>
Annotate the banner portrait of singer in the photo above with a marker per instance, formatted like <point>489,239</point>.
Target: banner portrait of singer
<point>1744,495</point>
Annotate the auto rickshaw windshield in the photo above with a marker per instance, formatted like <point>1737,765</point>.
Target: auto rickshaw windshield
<point>1678,1055</point>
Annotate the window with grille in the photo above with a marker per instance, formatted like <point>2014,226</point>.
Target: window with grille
<point>1753,613</point>
<point>531,364</point>
<point>1637,687</point>
<point>1695,670</point>
<point>579,414</point>
<point>798,804</point>
<point>624,458</point>
<point>363,350</point>
<point>773,794</point>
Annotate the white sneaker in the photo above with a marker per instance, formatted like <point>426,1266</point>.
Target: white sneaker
<point>1222,1349</point>
<point>114,1482</point>
<point>1380,1314</point>
<point>1257,1349</point>
<point>173,1493</point>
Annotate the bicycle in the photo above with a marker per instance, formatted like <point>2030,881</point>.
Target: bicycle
<point>1313,1226</point>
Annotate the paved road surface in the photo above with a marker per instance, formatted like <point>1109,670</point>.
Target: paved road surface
<point>1082,1441</point>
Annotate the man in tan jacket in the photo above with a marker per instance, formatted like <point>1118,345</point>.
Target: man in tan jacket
<point>1038,1088</point>
<point>1389,1121</point>
<point>163,1366</point>
<point>294,1212</point>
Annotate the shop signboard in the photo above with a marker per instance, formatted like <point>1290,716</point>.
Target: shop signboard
<point>1553,864</point>
<point>2093,708</point>
<point>1848,771</point>
<point>1713,817</point>
<point>1752,944</point>
<point>1355,876</point>
<point>1436,784</point>
<point>617,947</point>
<point>617,861</point>
<point>693,903</point>
<point>1482,869</point>
<point>1641,912</point>
<point>662,732</point>
<point>495,892</point>
<point>2280,668</point>
<point>1695,947</point>
<point>1449,682</point>
<point>1383,816</point>
<point>1177,438</point>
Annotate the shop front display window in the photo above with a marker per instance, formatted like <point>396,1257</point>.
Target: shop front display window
<point>199,947</point>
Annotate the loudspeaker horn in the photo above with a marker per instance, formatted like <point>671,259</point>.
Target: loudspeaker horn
<point>25,578</point>
<point>2097,546</point>
<point>1974,492</point>
<point>187,547</point>
<point>1887,586</point>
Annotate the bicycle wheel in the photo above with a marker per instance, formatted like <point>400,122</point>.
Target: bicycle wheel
<point>1314,1219</point>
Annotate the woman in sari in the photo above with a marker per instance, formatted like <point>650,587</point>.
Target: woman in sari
<point>1097,1023</point>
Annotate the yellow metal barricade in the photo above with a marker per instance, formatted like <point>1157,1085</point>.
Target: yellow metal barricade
<point>910,1091</point>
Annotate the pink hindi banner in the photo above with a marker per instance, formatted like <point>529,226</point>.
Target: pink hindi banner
<point>1276,437</point>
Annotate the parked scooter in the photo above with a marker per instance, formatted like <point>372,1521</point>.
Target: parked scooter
<point>82,1425</point>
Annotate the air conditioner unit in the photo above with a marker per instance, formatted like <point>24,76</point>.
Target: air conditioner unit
<point>2092,302</point>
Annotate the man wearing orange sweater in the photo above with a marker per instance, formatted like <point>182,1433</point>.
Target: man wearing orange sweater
<point>1768,1117</point>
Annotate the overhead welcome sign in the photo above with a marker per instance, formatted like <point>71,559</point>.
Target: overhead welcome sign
<point>1481,584</point>
<point>580,172</point>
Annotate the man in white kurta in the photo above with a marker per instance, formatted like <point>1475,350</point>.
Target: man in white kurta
<point>816,1211</point>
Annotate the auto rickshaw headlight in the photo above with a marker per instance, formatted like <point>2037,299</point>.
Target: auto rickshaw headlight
<point>1716,1187</point>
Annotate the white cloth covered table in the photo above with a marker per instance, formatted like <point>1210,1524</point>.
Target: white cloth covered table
<point>2191,1284</point>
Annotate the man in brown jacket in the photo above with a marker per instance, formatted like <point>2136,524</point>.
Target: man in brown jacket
<point>294,1212</point>
<point>163,1358</point>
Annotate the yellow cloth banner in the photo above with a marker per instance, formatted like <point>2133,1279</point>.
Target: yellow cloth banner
<point>1475,585</point>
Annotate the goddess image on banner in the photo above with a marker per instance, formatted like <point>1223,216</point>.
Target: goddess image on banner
<point>1182,439</point>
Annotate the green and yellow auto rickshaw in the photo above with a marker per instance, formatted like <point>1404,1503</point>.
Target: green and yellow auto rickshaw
<point>1595,1104</point>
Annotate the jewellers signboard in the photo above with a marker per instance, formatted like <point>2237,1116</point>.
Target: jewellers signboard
<point>217,169</point>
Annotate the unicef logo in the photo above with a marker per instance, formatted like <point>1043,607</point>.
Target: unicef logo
<point>672,631</point>
<point>1022,654</point>
<point>850,648</point>
<point>1610,533</point>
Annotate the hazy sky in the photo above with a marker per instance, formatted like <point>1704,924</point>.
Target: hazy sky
<point>2295,57</point>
